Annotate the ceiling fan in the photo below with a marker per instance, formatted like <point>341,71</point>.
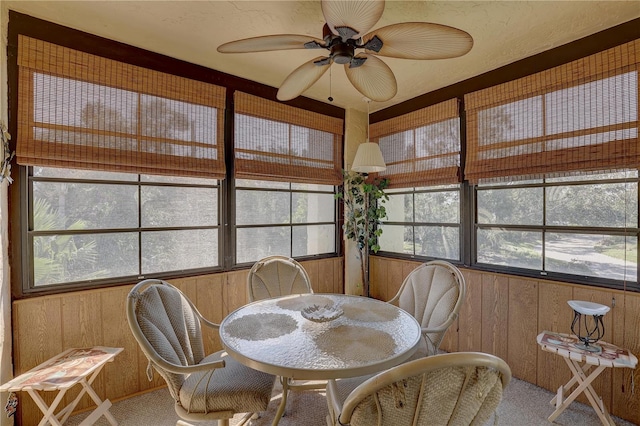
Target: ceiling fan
<point>344,33</point>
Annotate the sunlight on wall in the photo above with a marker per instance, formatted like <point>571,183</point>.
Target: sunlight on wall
<point>355,133</point>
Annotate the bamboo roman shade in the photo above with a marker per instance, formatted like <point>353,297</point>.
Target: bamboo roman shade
<point>422,147</point>
<point>79,110</point>
<point>581,116</point>
<point>274,141</point>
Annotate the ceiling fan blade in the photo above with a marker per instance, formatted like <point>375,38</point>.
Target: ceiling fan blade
<point>421,40</point>
<point>271,42</point>
<point>302,78</point>
<point>373,78</point>
<point>358,15</point>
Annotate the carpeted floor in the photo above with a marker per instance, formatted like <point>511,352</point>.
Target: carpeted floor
<point>523,404</point>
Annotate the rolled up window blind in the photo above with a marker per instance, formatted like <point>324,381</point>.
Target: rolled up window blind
<point>80,110</point>
<point>422,147</point>
<point>574,118</point>
<point>274,141</point>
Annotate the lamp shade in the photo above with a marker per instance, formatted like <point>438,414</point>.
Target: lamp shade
<point>368,159</point>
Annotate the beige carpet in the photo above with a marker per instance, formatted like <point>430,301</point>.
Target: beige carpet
<point>523,404</point>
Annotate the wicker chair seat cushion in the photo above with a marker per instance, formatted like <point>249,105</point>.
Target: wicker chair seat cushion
<point>453,399</point>
<point>234,388</point>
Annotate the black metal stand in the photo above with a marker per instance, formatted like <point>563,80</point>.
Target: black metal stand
<point>593,331</point>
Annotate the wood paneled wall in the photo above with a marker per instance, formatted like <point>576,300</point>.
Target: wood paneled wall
<point>45,326</point>
<point>503,314</point>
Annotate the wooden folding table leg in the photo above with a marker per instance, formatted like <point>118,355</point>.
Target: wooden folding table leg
<point>590,392</point>
<point>584,383</point>
<point>567,387</point>
<point>48,411</point>
<point>102,406</point>
<point>64,414</point>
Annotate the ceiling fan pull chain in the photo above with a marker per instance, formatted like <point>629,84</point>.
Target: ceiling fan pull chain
<point>330,98</point>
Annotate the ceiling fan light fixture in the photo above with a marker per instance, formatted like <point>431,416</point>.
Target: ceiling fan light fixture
<point>368,158</point>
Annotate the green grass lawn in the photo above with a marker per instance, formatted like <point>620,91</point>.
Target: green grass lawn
<point>630,255</point>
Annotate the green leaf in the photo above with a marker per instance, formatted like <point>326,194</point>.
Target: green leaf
<point>354,191</point>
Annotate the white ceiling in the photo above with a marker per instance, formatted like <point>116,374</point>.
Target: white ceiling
<point>503,32</point>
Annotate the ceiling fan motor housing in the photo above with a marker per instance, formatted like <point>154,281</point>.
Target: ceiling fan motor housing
<point>342,48</point>
<point>342,53</point>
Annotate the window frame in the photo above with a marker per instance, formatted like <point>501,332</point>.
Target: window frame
<point>460,225</point>
<point>544,229</point>
<point>28,284</point>
<point>291,224</point>
<point>18,192</point>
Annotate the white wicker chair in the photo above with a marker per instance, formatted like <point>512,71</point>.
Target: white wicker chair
<point>167,326</point>
<point>276,276</point>
<point>448,389</point>
<point>433,293</point>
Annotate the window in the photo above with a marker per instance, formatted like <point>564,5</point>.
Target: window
<point>282,218</point>
<point>422,148</point>
<point>585,226</point>
<point>88,226</point>
<point>274,141</point>
<point>554,157</point>
<point>124,166</point>
<point>423,222</point>
<point>77,110</point>
<point>287,165</point>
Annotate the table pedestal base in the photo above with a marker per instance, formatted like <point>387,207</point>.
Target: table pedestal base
<point>291,384</point>
<point>584,386</point>
<point>283,402</point>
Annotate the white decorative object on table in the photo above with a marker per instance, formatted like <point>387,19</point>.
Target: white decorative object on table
<point>319,313</point>
<point>588,308</point>
<point>593,330</point>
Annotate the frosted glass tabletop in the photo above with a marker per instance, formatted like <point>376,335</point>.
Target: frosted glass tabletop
<point>276,336</point>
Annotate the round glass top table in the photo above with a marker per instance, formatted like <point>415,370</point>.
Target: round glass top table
<point>319,337</point>
<point>274,336</point>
